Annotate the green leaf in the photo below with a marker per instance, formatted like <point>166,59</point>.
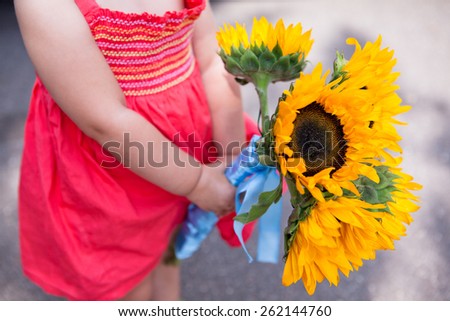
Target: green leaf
<point>267,59</point>
<point>282,65</point>
<point>249,62</point>
<point>265,200</point>
<point>266,160</point>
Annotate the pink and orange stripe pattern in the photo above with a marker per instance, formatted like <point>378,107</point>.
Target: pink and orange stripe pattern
<point>147,53</point>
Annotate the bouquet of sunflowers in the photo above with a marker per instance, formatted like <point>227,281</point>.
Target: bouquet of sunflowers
<point>332,140</point>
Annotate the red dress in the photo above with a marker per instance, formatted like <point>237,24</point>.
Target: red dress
<point>90,231</point>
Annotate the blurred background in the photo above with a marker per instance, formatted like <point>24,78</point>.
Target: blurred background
<point>418,31</point>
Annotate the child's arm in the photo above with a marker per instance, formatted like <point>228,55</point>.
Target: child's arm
<point>222,90</point>
<point>77,76</point>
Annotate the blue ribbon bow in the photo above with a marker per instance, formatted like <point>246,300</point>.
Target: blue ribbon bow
<point>251,179</point>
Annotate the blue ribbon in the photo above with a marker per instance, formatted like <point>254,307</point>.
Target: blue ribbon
<point>193,231</point>
<point>251,179</point>
<point>269,231</point>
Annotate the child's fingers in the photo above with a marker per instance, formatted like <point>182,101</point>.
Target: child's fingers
<point>226,210</point>
<point>219,166</point>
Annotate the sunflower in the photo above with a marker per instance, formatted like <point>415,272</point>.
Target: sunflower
<point>338,234</point>
<point>370,69</point>
<point>333,143</point>
<point>277,51</point>
<point>327,135</point>
<point>322,138</point>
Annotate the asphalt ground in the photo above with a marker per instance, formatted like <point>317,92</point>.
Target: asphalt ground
<point>418,269</point>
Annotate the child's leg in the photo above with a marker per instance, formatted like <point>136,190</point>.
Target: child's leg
<point>166,276</point>
<point>142,292</point>
<point>162,284</point>
<point>166,282</point>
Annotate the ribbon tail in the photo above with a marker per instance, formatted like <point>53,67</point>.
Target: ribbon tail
<point>251,189</point>
<point>197,226</point>
<point>238,228</point>
<point>269,223</point>
<point>269,235</point>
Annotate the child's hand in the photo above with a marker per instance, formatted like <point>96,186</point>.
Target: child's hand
<point>213,191</point>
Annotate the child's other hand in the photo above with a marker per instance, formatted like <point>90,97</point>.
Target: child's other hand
<point>213,192</point>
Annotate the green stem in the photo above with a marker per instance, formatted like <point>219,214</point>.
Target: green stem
<point>262,84</point>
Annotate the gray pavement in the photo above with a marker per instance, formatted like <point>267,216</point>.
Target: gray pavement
<point>419,267</point>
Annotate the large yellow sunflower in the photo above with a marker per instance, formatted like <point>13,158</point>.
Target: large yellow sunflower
<point>333,143</point>
<point>277,52</point>
<point>322,137</point>
<point>327,135</point>
<point>341,232</point>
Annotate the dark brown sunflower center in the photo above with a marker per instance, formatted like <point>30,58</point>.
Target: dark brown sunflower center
<point>318,138</point>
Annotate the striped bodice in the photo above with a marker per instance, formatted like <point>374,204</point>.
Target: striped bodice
<point>147,53</point>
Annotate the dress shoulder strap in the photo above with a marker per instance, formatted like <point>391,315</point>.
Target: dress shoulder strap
<point>86,5</point>
<point>193,3</point>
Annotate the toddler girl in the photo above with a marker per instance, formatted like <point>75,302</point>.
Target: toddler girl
<point>128,97</point>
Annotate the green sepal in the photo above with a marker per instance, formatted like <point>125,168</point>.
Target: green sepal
<point>299,67</point>
<point>376,193</point>
<point>242,49</point>
<point>368,194</point>
<point>235,53</point>
<point>281,66</point>
<point>256,50</point>
<point>222,54</point>
<point>277,51</point>
<point>233,67</point>
<point>265,200</point>
<point>266,123</point>
<point>386,177</point>
<point>302,207</point>
<point>267,59</point>
<point>339,64</point>
<point>293,58</point>
<point>249,62</point>
<point>291,89</point>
